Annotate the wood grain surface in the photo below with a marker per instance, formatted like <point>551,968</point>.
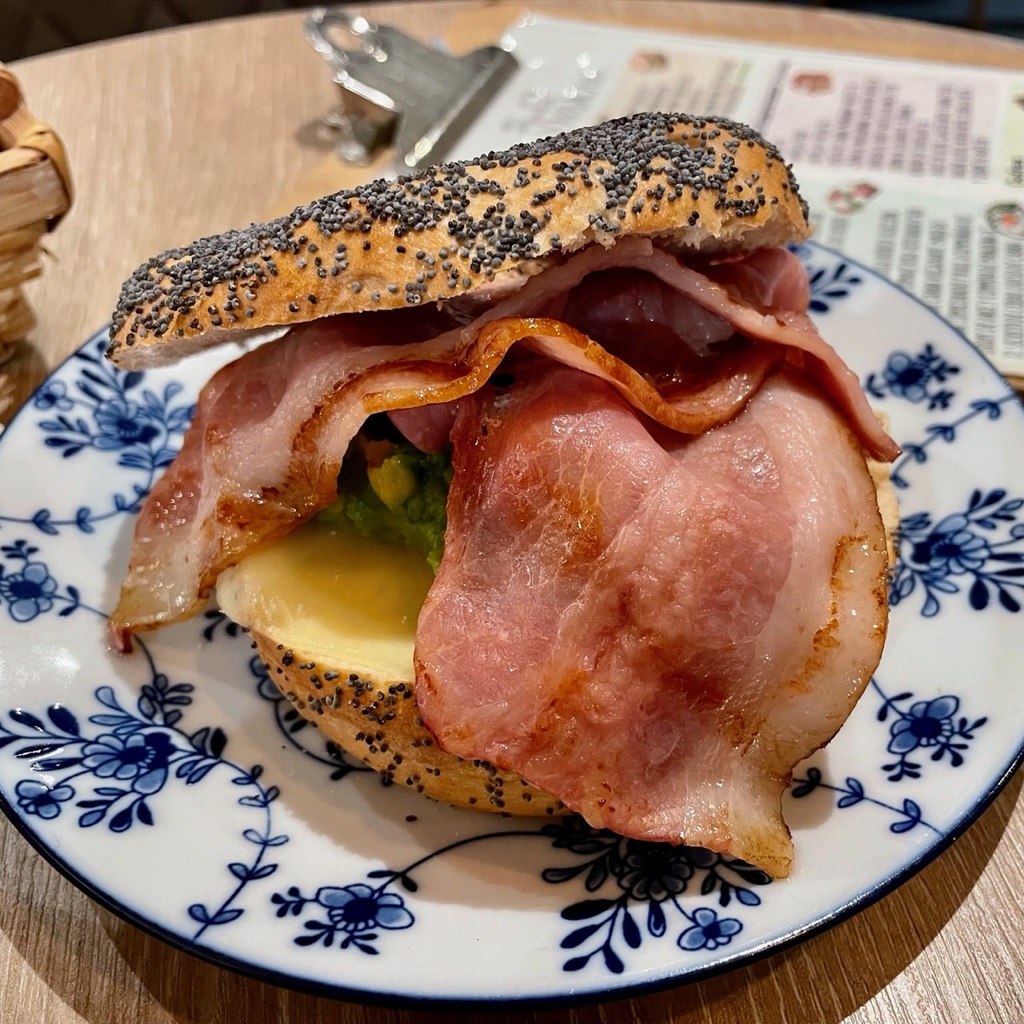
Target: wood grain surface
<point>190,131</point>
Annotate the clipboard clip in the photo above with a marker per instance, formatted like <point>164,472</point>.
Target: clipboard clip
<point>397,92</point>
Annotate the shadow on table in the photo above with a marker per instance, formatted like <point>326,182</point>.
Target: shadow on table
<point>820,981</point>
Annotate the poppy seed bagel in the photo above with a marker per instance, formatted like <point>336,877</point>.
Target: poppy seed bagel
<point>692,183</point>
<point>375,720</point>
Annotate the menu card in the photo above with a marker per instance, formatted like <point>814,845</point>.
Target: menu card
<point>913,168</point>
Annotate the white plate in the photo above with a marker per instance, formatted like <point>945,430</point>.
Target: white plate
<point>136,776</point>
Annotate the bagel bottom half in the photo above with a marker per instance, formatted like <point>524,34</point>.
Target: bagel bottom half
<point>333,618</point>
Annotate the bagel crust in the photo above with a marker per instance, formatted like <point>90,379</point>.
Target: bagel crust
<point>689,182</point>
<point>376,721</point>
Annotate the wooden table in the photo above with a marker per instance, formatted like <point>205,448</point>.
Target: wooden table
<point>190,131</point>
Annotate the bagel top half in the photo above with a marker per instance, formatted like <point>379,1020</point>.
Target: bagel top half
<point>689,182</point>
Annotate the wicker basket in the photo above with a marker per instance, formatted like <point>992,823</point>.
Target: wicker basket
<point>35,191</point>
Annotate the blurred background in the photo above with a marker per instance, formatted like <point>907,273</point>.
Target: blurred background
<point>29,27</point>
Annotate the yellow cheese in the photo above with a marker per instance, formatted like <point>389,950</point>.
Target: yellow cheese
<point>332,593</point>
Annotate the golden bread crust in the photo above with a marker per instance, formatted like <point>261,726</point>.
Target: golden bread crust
<point>689,182</point>
<point>376,721</point>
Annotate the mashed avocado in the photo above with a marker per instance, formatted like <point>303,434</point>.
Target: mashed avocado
<point>391,491</point>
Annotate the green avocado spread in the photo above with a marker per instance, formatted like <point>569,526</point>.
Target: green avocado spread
<point>392,492</point>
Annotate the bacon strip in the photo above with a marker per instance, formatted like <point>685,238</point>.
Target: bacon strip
<point>653,628</point>
<point>265,447</point>
<point>733,297</point>
<point>271,428</point>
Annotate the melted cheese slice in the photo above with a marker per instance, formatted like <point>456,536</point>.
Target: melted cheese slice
<point>330,592</point>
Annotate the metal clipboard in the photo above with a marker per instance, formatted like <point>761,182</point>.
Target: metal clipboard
<point>395,91</point>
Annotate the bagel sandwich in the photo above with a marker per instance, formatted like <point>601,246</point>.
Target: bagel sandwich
<point>550,496</point>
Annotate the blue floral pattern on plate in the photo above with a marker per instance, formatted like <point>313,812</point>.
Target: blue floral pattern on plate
<point>303,867</point>
<point>107,411</point>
